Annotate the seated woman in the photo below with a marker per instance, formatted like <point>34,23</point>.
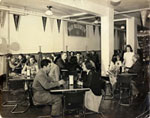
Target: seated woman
<point>92,81</point>
<point>31,65</point>
<point>14,66</point>
<point>112,72</point>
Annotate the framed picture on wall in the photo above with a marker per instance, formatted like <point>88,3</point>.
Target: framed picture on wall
<point>76,29</point>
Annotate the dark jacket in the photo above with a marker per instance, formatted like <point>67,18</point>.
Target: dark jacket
<point>136,68</point>
<point>62,64</point>
<point>94,82</point>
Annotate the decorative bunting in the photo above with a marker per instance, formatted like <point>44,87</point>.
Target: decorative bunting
<point>58,24</point>
<point>2,18</point>
<point>16,20</point>
<point>44,20</point>
<point>94,29</point>
<point>51,23</point>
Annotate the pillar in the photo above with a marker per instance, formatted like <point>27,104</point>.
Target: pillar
<point>107,40</point>
<point>132,33</point>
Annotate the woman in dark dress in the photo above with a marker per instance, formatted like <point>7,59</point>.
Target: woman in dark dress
<point>93,81</point>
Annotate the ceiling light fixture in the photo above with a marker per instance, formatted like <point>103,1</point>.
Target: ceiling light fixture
<point>49,11</point>
<point>122,27</point>
<point>115,2</point>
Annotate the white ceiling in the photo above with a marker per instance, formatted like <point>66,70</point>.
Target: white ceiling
<point>60,10</point>
<point>39,5</point>
<point>125,5</point>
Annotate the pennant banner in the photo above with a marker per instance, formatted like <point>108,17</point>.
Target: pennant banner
<point>58,24</point>
<point>51,23</point>
<point>2,18</point>
<point>94,29</point>
<point>44,20</point>
<point>16,20</point>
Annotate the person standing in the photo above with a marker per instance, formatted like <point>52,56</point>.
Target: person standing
<point>41,89</point>
<point>127,57</point>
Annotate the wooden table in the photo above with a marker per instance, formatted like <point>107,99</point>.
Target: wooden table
<point>73,97</point>
<point>69,88</point>
<point>27,81</point>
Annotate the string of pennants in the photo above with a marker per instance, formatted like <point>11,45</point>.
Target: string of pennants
<point>44,22</point>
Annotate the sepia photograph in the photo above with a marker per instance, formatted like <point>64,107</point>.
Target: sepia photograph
<point>74,58</point>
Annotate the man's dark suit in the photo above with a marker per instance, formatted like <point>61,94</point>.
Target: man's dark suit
<point>62,64</point>
<point>136,68</point>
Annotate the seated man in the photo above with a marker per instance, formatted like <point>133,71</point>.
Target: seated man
<point>62,62</point>
<point>41,89</point>
<point>136,68</point>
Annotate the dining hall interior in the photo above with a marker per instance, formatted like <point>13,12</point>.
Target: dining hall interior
<point>74,58</point>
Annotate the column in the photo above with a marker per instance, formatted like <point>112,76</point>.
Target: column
<point>107,40</point>
<point>132,33</point>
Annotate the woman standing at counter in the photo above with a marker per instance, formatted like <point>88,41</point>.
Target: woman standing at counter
<point>127,57</point>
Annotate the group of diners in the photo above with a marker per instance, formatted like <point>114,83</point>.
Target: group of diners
<point>70,61</point>
<point>130,62</point>
<point>49,75</point>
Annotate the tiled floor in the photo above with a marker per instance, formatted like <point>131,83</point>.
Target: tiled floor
<point>110,108</point>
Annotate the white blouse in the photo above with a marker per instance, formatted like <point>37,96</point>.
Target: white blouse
<point>128,62</point>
